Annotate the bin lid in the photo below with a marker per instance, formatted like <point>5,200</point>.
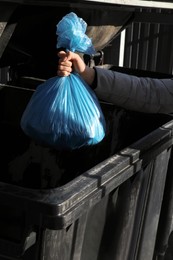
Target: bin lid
<point>132,3</point>
<point>28,31</point>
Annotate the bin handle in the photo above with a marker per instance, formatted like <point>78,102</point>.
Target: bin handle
<point>14,250</point>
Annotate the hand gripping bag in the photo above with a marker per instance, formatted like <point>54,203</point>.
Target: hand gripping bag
<point>64,112</point>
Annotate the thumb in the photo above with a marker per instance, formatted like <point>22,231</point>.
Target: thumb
<point>62,55</point>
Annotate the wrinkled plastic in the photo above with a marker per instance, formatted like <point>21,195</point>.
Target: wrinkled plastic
<point>71,35</point>
<point>63,122</point>
<point>64,112</point>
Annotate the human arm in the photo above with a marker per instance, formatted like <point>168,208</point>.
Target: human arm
<point>143,94</point>
<point>130,92</point>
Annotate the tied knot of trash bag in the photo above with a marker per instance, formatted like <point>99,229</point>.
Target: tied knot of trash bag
<point>71,35</point>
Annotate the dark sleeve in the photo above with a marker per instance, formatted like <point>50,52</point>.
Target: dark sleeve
<point>141,94</point>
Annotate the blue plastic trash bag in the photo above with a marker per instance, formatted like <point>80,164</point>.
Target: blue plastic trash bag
<point>71,35</point>
<point>64,112</point>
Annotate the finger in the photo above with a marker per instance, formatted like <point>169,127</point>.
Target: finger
<point>63,67</point>
<point>62,55</point>
<point>69,55</point>
<point>63,73</point>
<point>65,63</point>
<point>64,70</point>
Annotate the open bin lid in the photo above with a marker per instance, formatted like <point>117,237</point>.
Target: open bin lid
<point>27,28</point>
<point>139,3</point>
<point>28,31</point>
<point>133,3</point>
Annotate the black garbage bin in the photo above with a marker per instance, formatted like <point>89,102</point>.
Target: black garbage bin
<point>100,202</point>
<point>95,203</point>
